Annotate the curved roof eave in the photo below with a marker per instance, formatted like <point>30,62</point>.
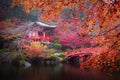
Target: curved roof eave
<point>45,25</point>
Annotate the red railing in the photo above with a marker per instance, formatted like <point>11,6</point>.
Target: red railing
<point>38,38</point>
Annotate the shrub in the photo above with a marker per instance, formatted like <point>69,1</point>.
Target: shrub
<point>2,51</point>
<point>48,52</point>
<point>68,49</point>
<point>34,49</point>
<point>57,45</point>
<point>72,41</point>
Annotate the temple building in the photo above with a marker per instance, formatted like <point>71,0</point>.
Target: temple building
<point>37,31</point>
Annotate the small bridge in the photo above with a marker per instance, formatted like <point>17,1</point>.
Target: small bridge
<point>78,58</point>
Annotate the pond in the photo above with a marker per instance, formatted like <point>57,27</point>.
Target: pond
<point>53,72</point>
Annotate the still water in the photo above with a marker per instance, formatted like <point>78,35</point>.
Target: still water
<point>53,72</point>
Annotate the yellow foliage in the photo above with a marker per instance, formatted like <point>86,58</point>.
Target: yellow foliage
<point>37,44</point>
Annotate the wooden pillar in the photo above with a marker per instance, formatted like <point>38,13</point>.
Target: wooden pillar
<point>36,33</point>
<point>44,34</point>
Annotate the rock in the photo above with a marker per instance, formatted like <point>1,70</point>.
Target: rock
<point>50,46</point>
<point>27,64</point>
<point>57,54</point>
<point>46,43</point>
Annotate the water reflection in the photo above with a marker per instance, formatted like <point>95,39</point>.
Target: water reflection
<point>53,72</point>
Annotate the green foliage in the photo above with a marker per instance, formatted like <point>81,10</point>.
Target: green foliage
<point>13,54</point>
<point>24,56</point>
<point>2,51</point>
<point>22,61</point>
<point>57,45</point>
<point>68,49</point>
<point>60,57</point>
<point>8,20</point>
<point>48,52</point>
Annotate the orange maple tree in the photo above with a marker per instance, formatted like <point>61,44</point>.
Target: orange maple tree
<point>101,16</point>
